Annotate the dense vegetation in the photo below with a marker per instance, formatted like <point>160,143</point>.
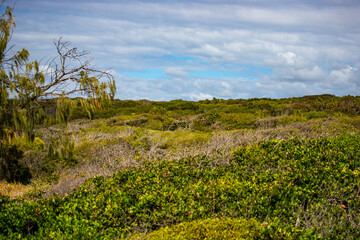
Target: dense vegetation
<point>172,130</point>
<point>281,169</point>
<point>294,188</point>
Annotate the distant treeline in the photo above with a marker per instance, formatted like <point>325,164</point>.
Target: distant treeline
<point>231,112</point>
<point>349,105</point>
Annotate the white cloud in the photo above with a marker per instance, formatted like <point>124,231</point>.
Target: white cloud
<point>289,57</point>
<point>176,72</point>
<point>300,41</point>
<point>197,97</point>
<point>343,78</point>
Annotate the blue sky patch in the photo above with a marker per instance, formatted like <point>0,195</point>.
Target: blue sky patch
<point>145,74</point>
<point>248,72</point>
<point>180,58</point>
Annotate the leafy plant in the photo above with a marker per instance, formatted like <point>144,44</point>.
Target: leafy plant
<point>208,229</point>
<point>295,189</point>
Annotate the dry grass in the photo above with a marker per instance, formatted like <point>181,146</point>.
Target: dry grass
<point>13,189</point>
<point>105,161</point>
<point>118,152</point>
<point>104,150</point>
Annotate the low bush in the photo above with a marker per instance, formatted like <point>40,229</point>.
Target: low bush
<point>238,120</point>
<point>314,114</point>
<point>297,189</point>
<point>11,169</point>
<point>226,229</point>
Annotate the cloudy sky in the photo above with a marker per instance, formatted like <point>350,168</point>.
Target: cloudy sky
<point>200,49</point>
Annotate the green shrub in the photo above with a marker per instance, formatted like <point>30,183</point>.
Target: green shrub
<point>238,120</point>
<point>296,189</point>
<point>314,114</point>
<point>171,124</point>
<point>154,124</point>
<point>226,229</point>
<point>79,113</point>
<point>286,120</point>
<point>158,110</point>
<point>11,169</point>
<point>183,105</point>
<point>205,121</point>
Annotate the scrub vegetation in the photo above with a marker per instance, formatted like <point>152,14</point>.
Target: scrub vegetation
<point>220,169</point>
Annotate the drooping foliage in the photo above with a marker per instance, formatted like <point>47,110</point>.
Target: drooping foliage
<point>24,85</point>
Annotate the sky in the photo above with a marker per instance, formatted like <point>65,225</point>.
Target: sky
<point>200,49</point>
